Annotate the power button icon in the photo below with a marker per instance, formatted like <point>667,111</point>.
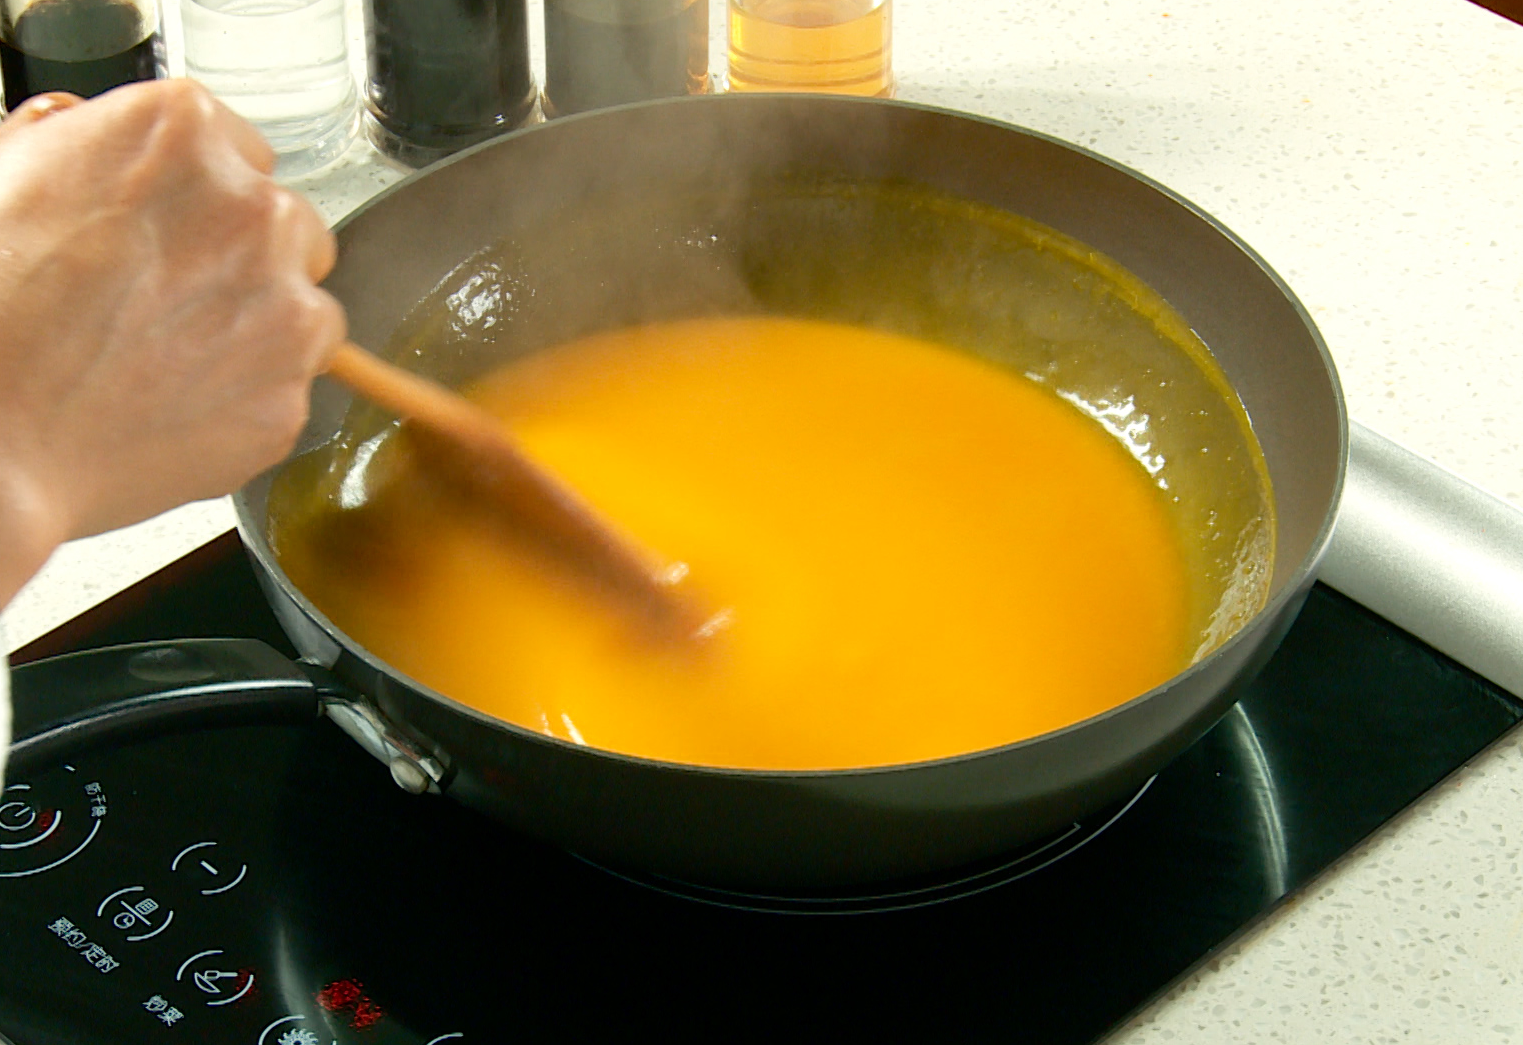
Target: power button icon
<point>16,816</point>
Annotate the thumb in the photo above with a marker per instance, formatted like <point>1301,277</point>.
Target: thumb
<point>38,107</point>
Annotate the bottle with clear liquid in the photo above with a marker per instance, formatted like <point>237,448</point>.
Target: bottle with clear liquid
<point>85,47</point>
<point>834,46</point>
<point>283,65</point>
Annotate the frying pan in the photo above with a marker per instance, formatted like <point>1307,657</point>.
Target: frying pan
<point>583,193</point>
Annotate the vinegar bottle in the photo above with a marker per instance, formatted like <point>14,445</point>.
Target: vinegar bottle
<point>835,46</point>
<point>608,52</point>
<point>85,47</point>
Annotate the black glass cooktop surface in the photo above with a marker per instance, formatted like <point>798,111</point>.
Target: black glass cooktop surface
<point>271,886</point>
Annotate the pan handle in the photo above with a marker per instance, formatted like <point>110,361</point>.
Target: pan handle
<point>77,701</point>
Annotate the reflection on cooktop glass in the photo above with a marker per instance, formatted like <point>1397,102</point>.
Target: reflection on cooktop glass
<point>271,886</point>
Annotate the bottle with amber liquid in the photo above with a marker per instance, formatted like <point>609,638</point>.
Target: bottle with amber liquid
<point>85,47</point>
<point>608,52</point>
<point>832,46</point>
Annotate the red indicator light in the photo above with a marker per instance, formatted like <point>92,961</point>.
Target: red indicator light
<point>366,1013</point>
<point>349,996</point>
<point>339,995</point>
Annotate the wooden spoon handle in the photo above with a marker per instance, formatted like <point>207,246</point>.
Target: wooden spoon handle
<point>494,465</point>
<point>425,402</point>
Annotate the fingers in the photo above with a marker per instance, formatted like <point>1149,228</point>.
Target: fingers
<point>246,141</point>
<point>300,240</point>
<point>300,237</point>
<point>300,234</point>
<point>328,328</point>
<point>297,231</point>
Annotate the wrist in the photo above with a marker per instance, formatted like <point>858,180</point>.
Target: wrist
<point>32,526</point>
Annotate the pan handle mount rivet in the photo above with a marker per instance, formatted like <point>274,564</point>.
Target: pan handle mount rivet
<point>409,776</point>
<point>414,771</point>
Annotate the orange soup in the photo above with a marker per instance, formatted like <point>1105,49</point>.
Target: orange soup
<point>919,554</point>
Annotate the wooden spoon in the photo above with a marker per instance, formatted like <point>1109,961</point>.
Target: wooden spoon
<point>475,447</point>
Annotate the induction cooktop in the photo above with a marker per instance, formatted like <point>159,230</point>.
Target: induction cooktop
<point>269,885</point>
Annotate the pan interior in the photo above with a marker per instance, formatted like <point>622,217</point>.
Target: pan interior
<point>886,255</point>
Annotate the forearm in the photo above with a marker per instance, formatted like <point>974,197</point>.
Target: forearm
<point>30,529</point>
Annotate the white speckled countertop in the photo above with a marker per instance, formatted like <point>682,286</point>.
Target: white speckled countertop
<point>1372,152</point>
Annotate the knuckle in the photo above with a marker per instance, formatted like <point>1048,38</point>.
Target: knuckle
<point>248,214</point>
<point>303,324</point>
<point>265,204</point>
<point>321,324</point>
<point>172,117</point>
<point>279,423</point>
<point>283,209</point>
<point>297,218</point>
<point>184,96</point>
<point>263,152</point>
<point>326,249</point>
<point>182,109</point>
<point>274,214</point>
<point>332,322</point>
<point>291,418</point>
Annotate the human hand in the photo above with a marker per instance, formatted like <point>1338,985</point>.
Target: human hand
<point>159,320</point>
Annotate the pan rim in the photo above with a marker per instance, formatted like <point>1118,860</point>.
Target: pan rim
<point>1294,588</point>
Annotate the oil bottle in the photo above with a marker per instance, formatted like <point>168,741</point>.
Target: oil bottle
<point>835,46</point>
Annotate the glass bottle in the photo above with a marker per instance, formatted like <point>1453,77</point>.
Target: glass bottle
<point>85,47</point>
<point>444,74</point>
<point>608,52</point>
<point>283,65</point>
<point>835,46</point>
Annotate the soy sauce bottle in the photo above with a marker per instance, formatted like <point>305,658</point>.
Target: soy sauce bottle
<point>85,47</point>
<point>608,52</point>
<point>445,74</point>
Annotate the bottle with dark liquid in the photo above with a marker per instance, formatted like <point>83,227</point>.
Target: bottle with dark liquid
<point>85,47</point>
<point>608,52</point>
<point>445,74</point>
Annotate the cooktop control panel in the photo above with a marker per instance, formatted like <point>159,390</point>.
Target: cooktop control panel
<point>270,885</point>
<point>144,917</point>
